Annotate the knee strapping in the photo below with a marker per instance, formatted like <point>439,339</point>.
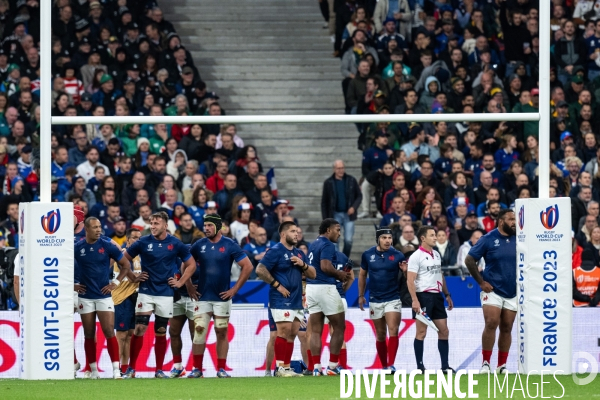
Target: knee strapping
<point>221,323</point>
<point>200,328</point>
<point>142,320</point>
<point>160,323</point>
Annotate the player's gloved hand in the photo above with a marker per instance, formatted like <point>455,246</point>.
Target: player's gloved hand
<point>174,283</point>
<point>486,287</point>
<point>228,294</point>
<point>141,277</point>
<point>79,288</point>
<point>416,306</point>
<point>108,288</point>
<point>281,289</point>
<point>361,303</point>
<point>193,290</point>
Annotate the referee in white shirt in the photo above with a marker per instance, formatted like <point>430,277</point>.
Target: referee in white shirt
<point>426,284</point>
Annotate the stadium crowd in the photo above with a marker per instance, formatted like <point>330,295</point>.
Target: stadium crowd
<point>123,58</point>
<point>469,56</point>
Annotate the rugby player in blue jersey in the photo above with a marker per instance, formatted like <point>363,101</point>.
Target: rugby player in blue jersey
<point>322,297</point>
<point>282,268</point>
<point>158,253</point>
<point>498,286</point>
<point>183,309</point>
<point>383,264</point>
<point>215,255</point>
<point>93,269</point>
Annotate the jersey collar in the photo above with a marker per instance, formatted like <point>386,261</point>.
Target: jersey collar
<point>426,251</point>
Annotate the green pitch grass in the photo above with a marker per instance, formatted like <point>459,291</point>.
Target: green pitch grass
<point>304,388</point>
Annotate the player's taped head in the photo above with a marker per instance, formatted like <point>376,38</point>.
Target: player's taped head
<point>160,324</point>
<point>214,219</point>
<point>200,328</point>
<point>381,231</point>
<point>142,320</point>
<point>221,323</point>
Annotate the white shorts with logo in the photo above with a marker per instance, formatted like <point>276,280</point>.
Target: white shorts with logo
<point>287,315</point>
<point>218,308</point>
<point>185,306</point>
<point>87,306</point>
<point>345,309</point>
<point>323,298</point>
<point>378,310</point>
<point>160,305</point>
<point>492,299</point>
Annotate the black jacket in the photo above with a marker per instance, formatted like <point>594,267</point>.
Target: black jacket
<point>328,200</point>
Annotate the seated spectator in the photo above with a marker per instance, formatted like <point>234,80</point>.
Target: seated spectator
<point>507,152</point>
<point>87,169</point>
<point>200,199</point>
<point>281,210</point>
<point>373,159</point>
<point>177,165</point>
<point>584,235</point>
<point>488,223</point>
<point>224,197</point>
<point>80,190</point>
<point>423,202</point>
<point>408,241</point>
<point>246,155</point>
<point>240,220</point>
<point>257,247</point>
<point>187,232</point>
<point>447,252</point>
<point>464,249</point>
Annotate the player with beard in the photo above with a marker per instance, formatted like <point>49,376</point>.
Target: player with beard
<point>498,286</point>
<point>282,268</point>
<point>159,254</point>
<point>215,255</point>
<point>93,268</point>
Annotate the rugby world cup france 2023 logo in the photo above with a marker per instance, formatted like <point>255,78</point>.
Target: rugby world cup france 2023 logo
<point>549,220</point>
<point>521,221</point>
<point>549,217</point>
<point>51,222</point>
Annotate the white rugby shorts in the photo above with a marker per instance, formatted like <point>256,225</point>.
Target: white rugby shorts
<point>217,308</point>
<point>160,305</point>
<point>345,310</point>
<point>492,299</point>
<point>87,306</point>
<point>378,310</point>
<point>323,298</point>
<point>185,306</point>
<point>287,315</point>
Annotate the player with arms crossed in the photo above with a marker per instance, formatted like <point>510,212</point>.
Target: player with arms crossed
<point>158,253</point>
<point>426,284</point>
<point>282,268</point>
<point>498,287</point>
<point>93,268</point>
<point>322,297</point>
<point>384,264</point>
<point>215,255</point>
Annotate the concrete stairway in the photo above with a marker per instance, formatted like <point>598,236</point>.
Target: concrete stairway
<point>273,57</point>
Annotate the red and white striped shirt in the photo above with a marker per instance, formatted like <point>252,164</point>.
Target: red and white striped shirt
<point>74,87</point>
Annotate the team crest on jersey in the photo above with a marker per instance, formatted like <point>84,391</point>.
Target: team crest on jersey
<point>372,257</point>
<point>222,249</point>
<point>101,250</point>
<point>82,252</point>
<point>170,247</point>
<point>391,258</point>
<point>203,249</point>
<point>286,256</point>
<point>150,247</point>
<point>496,243</point>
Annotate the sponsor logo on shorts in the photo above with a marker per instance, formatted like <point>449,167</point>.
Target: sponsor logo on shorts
<point>140,305</point>
<point>195,308</point>
<point>286,314</point>
<point>122,325</point>
<point>485,298</point>
<point>81,306</point>
<point>372,312</point>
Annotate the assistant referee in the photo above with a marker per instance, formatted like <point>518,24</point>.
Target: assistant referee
<point>426,284</point>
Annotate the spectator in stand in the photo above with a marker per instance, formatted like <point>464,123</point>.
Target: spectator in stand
<point>397,211</point>
<point>447,252</point>
<point>569,51</point>
<point>216,182</point>
<point>281,210</point>
<point>240,216</point>
<point>357,87</point>
<point>79,190</point>
<point>408,241</point>
<point>340,200</point>
<point>87,168</point>
<point>373,159</point>
<point>187,232</point>
<point>488,223</point>
<point>224,197</point>
<point>257,247</point>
